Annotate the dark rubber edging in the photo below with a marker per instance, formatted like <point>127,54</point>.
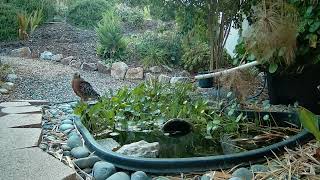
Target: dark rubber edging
<point>179,165</point>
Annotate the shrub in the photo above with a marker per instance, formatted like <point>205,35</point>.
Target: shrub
<point>47,6</point>
<point>111,43</point>
<point>87,13</point>
<point>157,48</point>
<point>8,22</point>
<point>133,17</point>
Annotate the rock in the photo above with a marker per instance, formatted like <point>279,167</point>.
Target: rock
<point>11,78</point>
<point>150,77</point>
<point>86,162</point>
<point>74,141</point>
<point>75,64</point>
<point>89,66</point>
<point>21,52</point>
<point>155,69</point>
<point>139,175</point>
<point>46,55</point>
<point>87,170</point>
<point>164,78</point>
<point>205,177</point>
<point>102,170</point>
<point>259,168</point>
<point>243,173</point>
<point>119,176</point>
<point>67,60</point>
<point>119,70</point>
<point>72,133</point>
<point>3,91</point>
<point>57,57</point>
<point>67,121</point>
<point>65,147</point>
<point>43,146</point>
<point>180,80</point>
<point>103,68</point>
<point>235,178</point>
<point>66,153</point>
<point>64,127</point>
<point>66,132</point>
<point>135,73</point>
<point>140,149</point>
<point>80,152</point>
<point>8,86</point>
<point>109,143</point>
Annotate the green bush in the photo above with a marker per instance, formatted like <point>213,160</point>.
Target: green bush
<point>87,13</point>
<point>47,6</point>
<point>8,22</point>
<point>111,44</point>
<point>156,48</point>
<point>196,55</point>
<point>133,17</point>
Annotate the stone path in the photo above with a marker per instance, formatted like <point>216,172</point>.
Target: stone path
<point>20,156</point>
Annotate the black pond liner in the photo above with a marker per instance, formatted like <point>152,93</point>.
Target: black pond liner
<point>193,164</point>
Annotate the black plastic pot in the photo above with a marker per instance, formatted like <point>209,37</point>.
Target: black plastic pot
<point>179,165</point>
<point>205,83</point>
<point>298,87</point>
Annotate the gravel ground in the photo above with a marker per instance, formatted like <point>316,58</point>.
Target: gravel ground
<point>51,81</point>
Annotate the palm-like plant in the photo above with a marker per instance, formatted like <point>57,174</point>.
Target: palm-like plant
<point>272,38</point>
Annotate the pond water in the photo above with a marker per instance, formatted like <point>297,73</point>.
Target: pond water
<point>196,145</point>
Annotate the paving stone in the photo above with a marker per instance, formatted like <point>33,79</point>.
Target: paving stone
<point>14,138</point>
<point>14,104</point>
<point>21,109</point>
<point>16,120</point>
<point>32,163</point>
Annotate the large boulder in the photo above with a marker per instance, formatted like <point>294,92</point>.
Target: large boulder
<point>175,80</point>
<point>140,149</point>
<point>135,73</point>
<point>8,86</point>
<point>164,78</point>
<point>46,55</point>
<point>89,66</point>
<point>103,68</point>
<point>67,60</point>
<point>21,52</point>
<point>11,78</point>
<point>119,70</point>
<point>150,77</point>
<point>57,57</point>
<point>155,69</point>
<point>75,64</point>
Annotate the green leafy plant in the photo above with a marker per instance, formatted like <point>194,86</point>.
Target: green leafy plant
<point>34,19</point>
<point>111,44</point>
<point>88,13</point>
<point>132,17</point>
<point>309,121</point>
<point>23,21</point>
<point>156,48</point>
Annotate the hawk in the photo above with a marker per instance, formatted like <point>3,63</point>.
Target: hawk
<point>83,89</point>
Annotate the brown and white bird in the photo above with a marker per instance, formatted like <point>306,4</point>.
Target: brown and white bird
<point>83,89</point>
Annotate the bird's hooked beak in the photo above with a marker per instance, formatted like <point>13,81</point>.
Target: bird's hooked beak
<point>76,75</point>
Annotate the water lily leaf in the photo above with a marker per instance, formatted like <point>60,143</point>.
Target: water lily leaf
<point>309,121</point>
<point>314,27</point>
<point>273,67</point>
